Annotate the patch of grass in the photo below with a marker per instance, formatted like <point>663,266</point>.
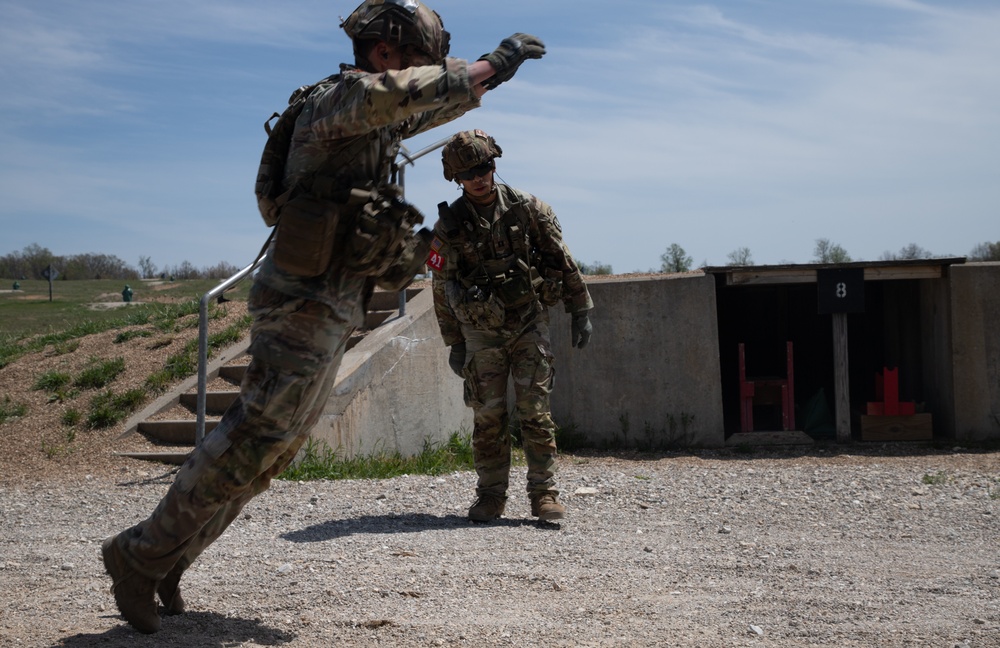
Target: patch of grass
<point>72,417</point>
<point>52,381</point>
<point>434,459</point>
<point>569,438</point>
<point>9,410</point>
<point>65,346</point>
<point>69,316</point>
<point>125,336</point>
<point>108,408</point>
<point>51,451</point>
<point>185,362</point>
<point>100,374</point>
<point>938,478</point>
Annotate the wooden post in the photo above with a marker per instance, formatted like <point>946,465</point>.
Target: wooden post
<point>841,384</point>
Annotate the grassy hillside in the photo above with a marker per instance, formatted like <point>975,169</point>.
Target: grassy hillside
<point>28,311</point>
<point>29,319</point>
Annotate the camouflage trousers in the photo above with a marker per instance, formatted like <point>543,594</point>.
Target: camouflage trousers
<point>492,357</point>
<point>296,349</point>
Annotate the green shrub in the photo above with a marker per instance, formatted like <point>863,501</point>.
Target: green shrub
<point>100,374</point>
<point>108,408</point>
<point>71,417</point>
<point>10,410</point>
<point>125,336</point>
<point>52,381</point>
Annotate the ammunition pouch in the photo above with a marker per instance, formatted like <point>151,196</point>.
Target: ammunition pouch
<point>550,290</point>
<point>382,235</point>
<point>515,289</point>
<point>306,236</point>
<point>474,306</point>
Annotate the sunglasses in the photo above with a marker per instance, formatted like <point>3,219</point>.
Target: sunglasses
<point>476,171</point>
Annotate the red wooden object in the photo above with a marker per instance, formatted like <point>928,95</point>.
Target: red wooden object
<point>887,393</point>
<point>761,390</point>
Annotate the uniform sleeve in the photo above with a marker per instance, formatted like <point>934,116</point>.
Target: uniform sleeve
<point>451,328</point>
<point>430,95</point>
<point>547,236</point>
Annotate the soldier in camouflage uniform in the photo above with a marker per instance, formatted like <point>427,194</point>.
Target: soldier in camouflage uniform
<point>344,141</point>
<point>499,262</point>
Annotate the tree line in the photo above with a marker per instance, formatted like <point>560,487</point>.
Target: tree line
<point>675,259</point>
<point>31,262</point>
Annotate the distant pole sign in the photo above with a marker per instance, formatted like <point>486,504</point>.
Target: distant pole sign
<point>50,273</point>
<point>841,290</point>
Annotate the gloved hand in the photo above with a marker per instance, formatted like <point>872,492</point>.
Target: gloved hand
<point>457,358</point>
<point>581,329</point>
<point>506,58</point>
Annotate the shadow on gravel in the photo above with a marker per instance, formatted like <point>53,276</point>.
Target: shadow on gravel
<point>406,523</point>
<point>202,629</point>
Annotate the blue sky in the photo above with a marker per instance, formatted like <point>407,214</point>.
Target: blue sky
<point>134,127</point>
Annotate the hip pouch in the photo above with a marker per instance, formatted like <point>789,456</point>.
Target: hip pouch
<point>306,234</point>
<point>515,291</point>
<point>550,292</point>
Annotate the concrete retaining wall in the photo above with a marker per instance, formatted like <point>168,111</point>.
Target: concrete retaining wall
<point>650,375</point>
<point>394,390</point>
<point>975,325</point>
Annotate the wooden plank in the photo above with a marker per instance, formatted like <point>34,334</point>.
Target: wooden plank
<point>765,276</point>
<point>913,272</point>
<point>841,384</point>
<point>917,427</point>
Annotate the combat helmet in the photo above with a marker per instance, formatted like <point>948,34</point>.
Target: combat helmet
<point>466,150</point>
<point>399,22</point>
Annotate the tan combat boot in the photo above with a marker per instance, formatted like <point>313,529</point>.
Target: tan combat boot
<point>135,594</point>
<point>170,592</point>
<point>546,507</point>
<point>487,507</point>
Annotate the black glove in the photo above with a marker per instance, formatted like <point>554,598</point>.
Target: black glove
<point>457,358</point>
<point>581,329</point>
<point>508,57</point>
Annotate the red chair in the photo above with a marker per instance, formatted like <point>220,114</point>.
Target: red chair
<point>767,390</point>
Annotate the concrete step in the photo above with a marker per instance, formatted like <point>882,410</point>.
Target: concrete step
<point>233,373</point>
<point>175,458</point>
<point>216,402</point>
<point>182,431</point>
<point>176,431</point>
<point>374,318</point>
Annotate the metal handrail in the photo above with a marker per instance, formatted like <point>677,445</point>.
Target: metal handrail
<point>242,274</point>
<point>199,433</point>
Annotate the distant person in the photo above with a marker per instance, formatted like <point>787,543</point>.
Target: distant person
<point>499,263</point>
<point>402,83</point>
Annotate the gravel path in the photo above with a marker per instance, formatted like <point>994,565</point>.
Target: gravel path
<point>886,546</point>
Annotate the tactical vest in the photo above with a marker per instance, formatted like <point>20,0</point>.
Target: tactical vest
<point>483,270</point>
<point>329,213</point>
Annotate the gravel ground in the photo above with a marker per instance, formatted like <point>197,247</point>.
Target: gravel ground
<point>886,546</point>
<point>863,545</point>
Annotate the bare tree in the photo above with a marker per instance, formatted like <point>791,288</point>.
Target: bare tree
<point>146,267</point>
<point>985,252</point>
<point>826,252</point>
<point>740,257</point>
<point>595,268</point>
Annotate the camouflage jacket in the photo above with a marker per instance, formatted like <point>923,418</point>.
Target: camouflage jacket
<point>495,275</point>
<point>347,136</point>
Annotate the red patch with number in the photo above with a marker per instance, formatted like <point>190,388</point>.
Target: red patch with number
<point>434,259</point>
